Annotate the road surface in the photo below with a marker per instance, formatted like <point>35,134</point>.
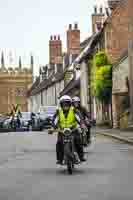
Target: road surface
<point>28,170</point>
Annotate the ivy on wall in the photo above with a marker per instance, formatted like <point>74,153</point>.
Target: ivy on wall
<point>101,78</point>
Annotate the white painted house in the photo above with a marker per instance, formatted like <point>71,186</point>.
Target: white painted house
<point>46,90</point>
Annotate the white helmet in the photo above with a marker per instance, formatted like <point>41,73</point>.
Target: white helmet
<point>76,99</point>
<point>65,98</point>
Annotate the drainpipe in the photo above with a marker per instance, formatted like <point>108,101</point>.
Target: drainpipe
<point>84,84</point>
<point>55,96</point>
<point>89,92</point>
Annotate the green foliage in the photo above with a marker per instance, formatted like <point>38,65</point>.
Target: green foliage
<point>101,78</point>
<point>101,59</point>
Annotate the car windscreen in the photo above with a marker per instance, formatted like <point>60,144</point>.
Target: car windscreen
<point>26,115</point>
<point>42,114</point>
<point>50,111</point>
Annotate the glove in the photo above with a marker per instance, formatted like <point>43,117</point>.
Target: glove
<point>50,131</point>
<point>55,127</point>
<point>87,122</point>
<point>83,126</point>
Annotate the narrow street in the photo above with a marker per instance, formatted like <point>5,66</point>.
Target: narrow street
<point>28,170</point>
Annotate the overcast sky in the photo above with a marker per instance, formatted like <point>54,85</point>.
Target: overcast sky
<point>26,25</point>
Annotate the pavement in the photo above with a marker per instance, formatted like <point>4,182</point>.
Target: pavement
<point>125,136</point>
<point>28,170</point>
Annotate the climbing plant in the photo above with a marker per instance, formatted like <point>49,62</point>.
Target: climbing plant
<point>101,79</point>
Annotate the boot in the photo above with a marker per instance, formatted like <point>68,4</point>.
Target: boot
<point>76,158</point>
<point>59,162</point>
<point>82,159</point>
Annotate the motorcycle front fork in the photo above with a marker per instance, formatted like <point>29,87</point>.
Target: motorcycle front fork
<point>74,152</point>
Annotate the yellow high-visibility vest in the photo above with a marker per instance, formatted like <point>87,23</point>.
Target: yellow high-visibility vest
<point>69,121</point>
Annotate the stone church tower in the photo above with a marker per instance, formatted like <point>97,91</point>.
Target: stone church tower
<point>14,84</point>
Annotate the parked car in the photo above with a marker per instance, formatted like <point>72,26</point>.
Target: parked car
<point>45,117</point>
<point>3,121</point>
<point>28,119</point>
<point>7,122</point>
<point>25,119</point>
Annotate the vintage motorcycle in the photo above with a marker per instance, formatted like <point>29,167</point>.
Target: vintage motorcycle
<point>71,157</point>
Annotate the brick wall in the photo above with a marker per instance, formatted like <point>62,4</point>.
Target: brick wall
<point>130,19</point>
<point>116,31</point>
<point>55,50</point>
<point>73,40</point>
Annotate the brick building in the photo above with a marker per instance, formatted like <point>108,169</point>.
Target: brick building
<point>14,84</point>
<point>116,32</point>
<point>117,29</point>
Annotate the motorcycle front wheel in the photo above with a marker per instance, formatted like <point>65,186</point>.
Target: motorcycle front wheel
<point>70,167</point>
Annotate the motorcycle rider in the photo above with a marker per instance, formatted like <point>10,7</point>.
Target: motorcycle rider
<point>77,105</point>
<point>32,119</point>
<point>67,117</point>
<point>19,115</point>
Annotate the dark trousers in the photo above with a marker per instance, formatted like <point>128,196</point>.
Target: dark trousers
<point>78,145</point>
<point>60,146</point>
<point>18,123</point>
<point>88,133</point>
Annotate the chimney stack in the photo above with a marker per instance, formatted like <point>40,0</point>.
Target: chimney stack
<point>97,19</point>
<point>55,50</point>
<point>73,39</point>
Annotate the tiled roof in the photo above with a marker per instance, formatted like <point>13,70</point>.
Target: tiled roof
<point>47,83</point>
<point>85,42</point>
<point>71,85</point>
<point>35,84</point>
<point>123,56</point>
<point>89,48</point>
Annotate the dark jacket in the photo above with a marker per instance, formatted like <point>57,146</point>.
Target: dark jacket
<point>84,112</point>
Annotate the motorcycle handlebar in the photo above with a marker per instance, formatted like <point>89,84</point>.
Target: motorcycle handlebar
<point>51,131</point>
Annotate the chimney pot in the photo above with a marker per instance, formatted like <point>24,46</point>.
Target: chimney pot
<point>107,12</point>
<point>54,37</point>
<point>95,9</point>
<point>76,26</point>
<point>70,26</point>
<point>51,37</point>
<point>58,37</point>
<point>101,10</point>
